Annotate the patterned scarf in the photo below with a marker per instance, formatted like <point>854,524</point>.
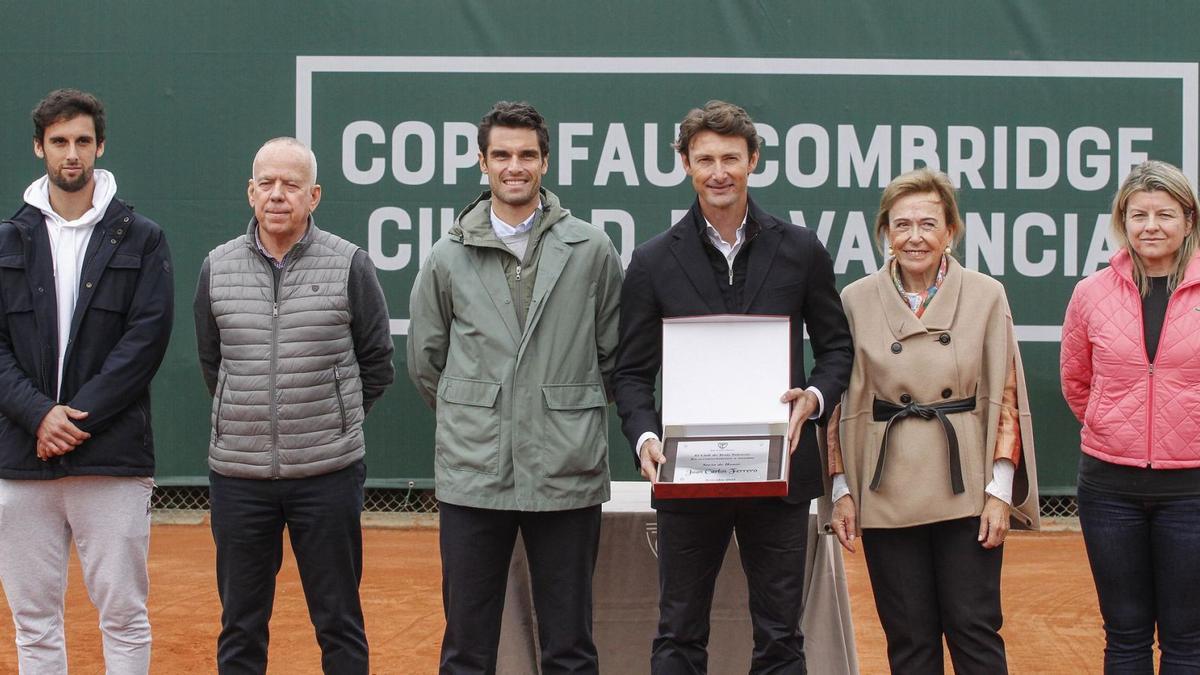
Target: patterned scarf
<point>918,301</point>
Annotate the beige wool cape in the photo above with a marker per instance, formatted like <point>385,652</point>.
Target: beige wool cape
<point>961,346</point>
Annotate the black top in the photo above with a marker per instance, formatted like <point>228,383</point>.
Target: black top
<point>1154,311</point>
<point>731,282</point>
<point>1140,482</point>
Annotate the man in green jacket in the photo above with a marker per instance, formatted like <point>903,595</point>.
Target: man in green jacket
<point>512,339</point>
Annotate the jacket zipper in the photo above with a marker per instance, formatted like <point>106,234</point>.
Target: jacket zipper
<point>220,404</point>
<point>274,370</point>
<point>1150,369</point>
<point>1150,412</point>
<point>274,374</point>
<point>729,262</point>
<point>520,299</point>
<point>337,386</point>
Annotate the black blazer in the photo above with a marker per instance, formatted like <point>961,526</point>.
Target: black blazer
<point>789,274</point>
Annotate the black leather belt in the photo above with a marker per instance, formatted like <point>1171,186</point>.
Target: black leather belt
<point>886,411</point>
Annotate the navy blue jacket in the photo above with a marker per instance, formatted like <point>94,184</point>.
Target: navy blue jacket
<point>119,334</point>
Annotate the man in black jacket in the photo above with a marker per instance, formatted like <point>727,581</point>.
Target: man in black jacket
<point>728,256</point>
<point>86,304</point>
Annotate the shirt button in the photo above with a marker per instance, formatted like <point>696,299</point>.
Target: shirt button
<point>944,338</point>
<point>112,241</point>
<point>88,285</point>
<point>507,301</point>
<point>946,393</point>
<point>897,347</point>
<point>905,399</point>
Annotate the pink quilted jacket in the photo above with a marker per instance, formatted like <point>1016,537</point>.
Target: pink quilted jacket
<point>1133,412</point>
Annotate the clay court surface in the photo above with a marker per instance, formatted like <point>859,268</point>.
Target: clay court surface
<point>1052,623</point>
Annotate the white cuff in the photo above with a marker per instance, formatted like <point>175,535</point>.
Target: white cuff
<point>642,439</point>
<point>840,487</point>
<point>820,402</point>
<point>1003,471</point>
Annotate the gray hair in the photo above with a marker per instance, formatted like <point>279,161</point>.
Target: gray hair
<point>293,142</point>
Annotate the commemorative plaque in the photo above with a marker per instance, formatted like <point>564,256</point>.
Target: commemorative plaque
<point>724,428</point>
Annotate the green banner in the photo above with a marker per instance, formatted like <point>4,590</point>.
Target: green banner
<point>1036,112</point>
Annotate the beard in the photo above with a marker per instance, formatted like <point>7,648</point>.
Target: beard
<point>69,185</point>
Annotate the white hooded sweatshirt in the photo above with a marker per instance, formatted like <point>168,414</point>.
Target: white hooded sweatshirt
<point>68,243</point>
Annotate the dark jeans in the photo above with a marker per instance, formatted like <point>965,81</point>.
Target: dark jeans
<point>322,518</point>
<point>1145,558</point>
<point>936,579</point>
<point>772,539</point>
<point>477,546</point>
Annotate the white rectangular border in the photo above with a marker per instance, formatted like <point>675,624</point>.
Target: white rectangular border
<point>1185,72</point>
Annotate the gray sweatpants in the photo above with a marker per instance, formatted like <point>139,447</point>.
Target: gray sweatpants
<point>108,518</point>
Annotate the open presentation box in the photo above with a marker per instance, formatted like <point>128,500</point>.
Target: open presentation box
<point>724,427</point>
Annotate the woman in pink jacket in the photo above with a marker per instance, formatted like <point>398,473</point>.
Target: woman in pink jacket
<point>1131,374</point>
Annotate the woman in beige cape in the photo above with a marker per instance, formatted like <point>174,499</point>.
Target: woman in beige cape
<point>933,454</point>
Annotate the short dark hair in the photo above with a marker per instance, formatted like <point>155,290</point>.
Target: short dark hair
<point>67,104</point>
<point>722,118</point>
<point>519,115</point>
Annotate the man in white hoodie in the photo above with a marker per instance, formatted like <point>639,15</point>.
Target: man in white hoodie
<point>85,316</point>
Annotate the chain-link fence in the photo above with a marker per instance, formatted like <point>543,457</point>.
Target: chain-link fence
<point>1059,506</point>
<point>411,500</point>
<point>376,500</point>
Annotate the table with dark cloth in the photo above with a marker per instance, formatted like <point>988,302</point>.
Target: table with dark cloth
<point>626,600</point>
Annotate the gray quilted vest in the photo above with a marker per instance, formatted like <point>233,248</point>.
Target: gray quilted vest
<point>289,399</point>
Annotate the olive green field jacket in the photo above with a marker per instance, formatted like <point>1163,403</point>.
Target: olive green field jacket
<point>521,408</point>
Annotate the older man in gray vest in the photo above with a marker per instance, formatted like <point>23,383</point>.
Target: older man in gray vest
<point>292,331</point>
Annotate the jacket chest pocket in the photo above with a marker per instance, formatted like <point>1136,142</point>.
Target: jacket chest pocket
<point>468,425</point>
<point>114,288</point>
<point>575,439</point>
<point>20,323</point>
<point>14,287</point>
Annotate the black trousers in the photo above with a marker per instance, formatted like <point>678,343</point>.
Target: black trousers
<point>934,580</point>
<point>477,546</point>
<point>772,537</point>
<point>322,516</point>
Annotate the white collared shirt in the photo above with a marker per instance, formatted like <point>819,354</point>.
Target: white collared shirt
<point>516,238</point>
<point>728,250</point>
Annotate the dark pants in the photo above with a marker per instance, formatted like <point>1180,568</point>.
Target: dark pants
<point>934,580</point>
<point>771,538</point>
<point>1145,558</point>
<point>477,546</point>
<point>322,515</point>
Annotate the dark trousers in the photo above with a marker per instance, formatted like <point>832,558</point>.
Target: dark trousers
<point>934,580</point>
<point>322,515</point>
<point>772,537</point>
<point>1145,558</point>
<point>477,546</point>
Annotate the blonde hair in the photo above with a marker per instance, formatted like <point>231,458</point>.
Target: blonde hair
<point>919,181</point>
<point>1151,176</point>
